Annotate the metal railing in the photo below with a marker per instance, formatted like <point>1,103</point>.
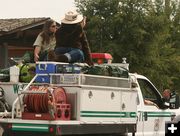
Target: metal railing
<point>85,79</point>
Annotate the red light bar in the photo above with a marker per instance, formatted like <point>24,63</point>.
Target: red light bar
<point>101,56</point>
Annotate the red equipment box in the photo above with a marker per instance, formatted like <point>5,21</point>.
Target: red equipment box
<point>63,112</point>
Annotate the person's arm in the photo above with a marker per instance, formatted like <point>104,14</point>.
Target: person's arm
<point>148,102</point>
<point>36,53</point>
<point>37,44</point>
<point>86,49</point>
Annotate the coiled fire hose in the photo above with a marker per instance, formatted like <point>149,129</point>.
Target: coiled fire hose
<point>46,102</point>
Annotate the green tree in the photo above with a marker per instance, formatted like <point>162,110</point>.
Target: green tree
<point>145,32</point>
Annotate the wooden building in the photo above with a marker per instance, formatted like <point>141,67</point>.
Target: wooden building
<point>17,36</point>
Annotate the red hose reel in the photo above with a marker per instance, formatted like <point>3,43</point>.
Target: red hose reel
<point>51,104</point>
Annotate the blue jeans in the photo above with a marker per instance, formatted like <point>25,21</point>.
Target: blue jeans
<point>73,54</point>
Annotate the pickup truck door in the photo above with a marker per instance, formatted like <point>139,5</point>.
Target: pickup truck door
<point>151,117</point>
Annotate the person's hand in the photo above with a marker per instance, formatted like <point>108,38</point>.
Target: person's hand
<point>36,57</point>
<point>83,23</point>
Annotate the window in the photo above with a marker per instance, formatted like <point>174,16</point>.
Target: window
<point>149,92</point>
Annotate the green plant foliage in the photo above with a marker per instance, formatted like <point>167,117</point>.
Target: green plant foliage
<point>146,32</point>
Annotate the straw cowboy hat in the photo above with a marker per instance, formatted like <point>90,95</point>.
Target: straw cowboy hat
<point>72,17</point>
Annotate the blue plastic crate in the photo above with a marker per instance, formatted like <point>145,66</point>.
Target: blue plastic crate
<point>43,79</point>
<point>45,67</point>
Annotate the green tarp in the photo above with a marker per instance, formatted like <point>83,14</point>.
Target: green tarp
<point>106,70</point>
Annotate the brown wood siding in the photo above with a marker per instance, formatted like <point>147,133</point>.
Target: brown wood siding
<point>18,51</point>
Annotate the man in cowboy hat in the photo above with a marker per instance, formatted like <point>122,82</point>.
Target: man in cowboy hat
<point>71,42</point>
